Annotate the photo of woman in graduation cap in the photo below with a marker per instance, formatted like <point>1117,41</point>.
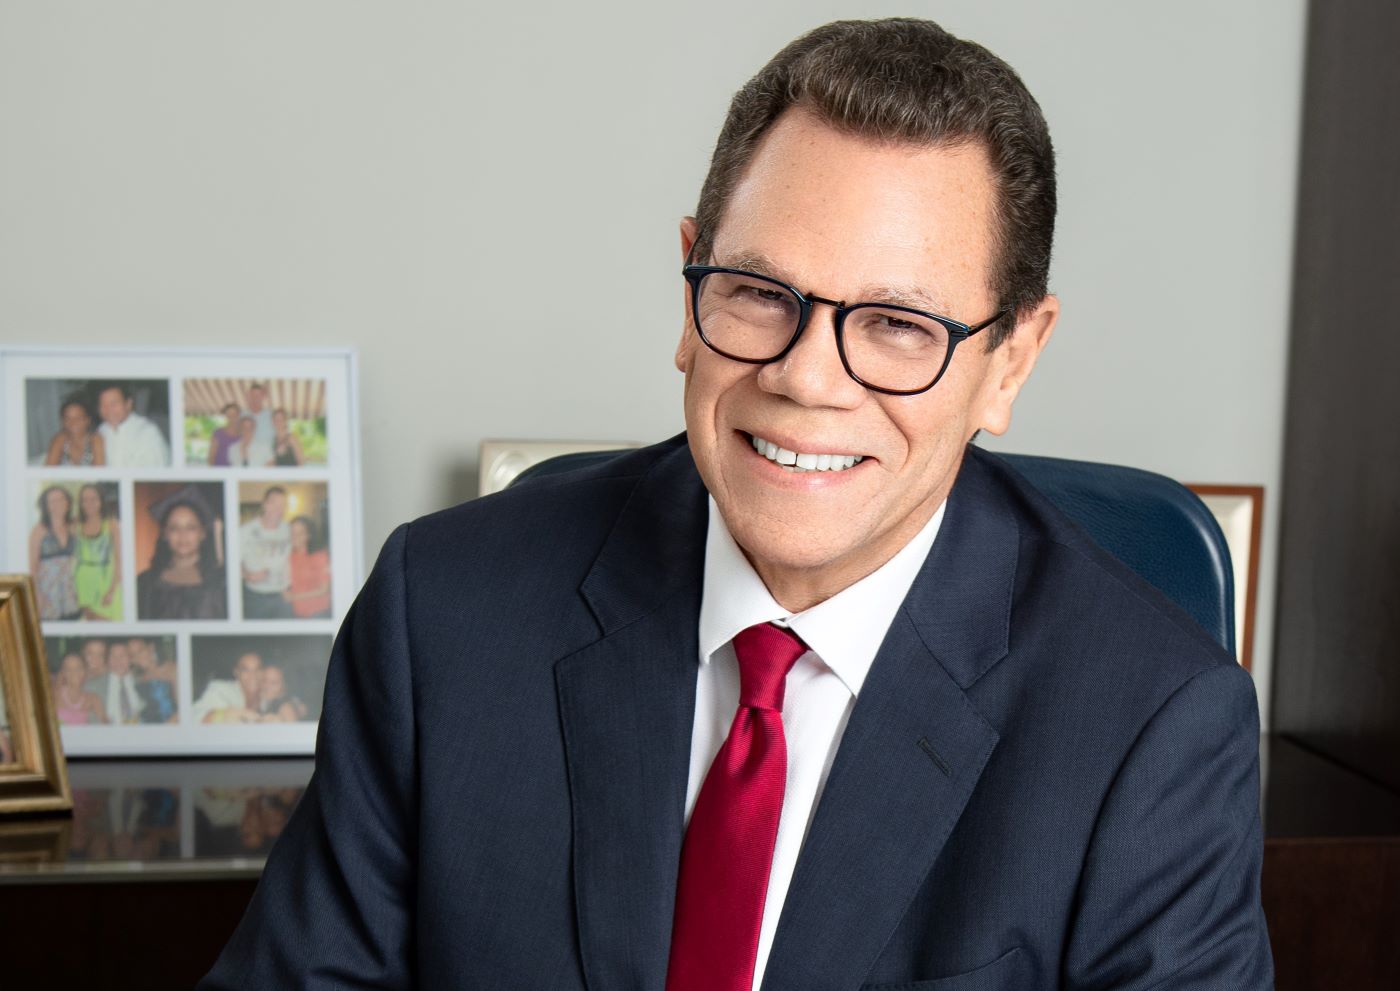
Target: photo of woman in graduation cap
<point>185,578</point>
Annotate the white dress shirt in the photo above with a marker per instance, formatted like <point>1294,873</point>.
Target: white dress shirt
<point>118,693</point>
<point>260,454</point>
<point>219,694</point>
<point>136,442</point>
<point>843,634</point>
<point>266,549</point>
<point>266,432</point>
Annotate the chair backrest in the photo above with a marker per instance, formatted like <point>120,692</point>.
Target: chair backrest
<point>1154,525</point>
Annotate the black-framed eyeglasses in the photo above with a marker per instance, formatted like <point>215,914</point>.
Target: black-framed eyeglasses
<point>752,318</point>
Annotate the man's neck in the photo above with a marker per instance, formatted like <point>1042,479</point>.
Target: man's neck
<point>799,589</point>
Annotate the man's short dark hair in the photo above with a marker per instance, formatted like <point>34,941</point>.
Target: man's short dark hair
<point>121,387</point>
<point>273,490</point>
<point>908,81</point>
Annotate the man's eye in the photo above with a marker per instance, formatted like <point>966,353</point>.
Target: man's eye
<point>899,327</point>
<point>761,294</point>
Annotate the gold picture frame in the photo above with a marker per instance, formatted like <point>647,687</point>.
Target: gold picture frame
<point>35,777</point>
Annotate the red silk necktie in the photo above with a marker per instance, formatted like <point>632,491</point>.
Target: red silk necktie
<point>728,848</point>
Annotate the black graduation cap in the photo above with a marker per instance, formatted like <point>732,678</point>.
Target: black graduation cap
<point>191,496</point>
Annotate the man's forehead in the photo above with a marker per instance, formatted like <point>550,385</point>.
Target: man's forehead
<point>860,219</point>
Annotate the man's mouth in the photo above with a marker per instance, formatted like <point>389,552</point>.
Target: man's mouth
<point>801,460</point>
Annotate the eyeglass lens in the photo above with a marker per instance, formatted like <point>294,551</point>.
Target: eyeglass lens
<point>751,318</point>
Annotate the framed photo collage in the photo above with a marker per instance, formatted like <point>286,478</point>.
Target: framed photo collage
<point>191,523</point>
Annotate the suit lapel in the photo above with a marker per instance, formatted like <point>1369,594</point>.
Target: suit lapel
<point>627,705</point>
<point>911,754</point>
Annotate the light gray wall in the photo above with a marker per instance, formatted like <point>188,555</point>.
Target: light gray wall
<point>436,184</point>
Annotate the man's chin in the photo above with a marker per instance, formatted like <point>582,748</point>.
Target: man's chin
<point>791,550</point>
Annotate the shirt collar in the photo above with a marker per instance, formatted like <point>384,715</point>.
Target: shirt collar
<point>845,631</point>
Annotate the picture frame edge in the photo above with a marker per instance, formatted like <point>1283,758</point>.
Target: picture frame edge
<point>43,785</point>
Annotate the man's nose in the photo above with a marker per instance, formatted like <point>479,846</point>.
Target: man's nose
<point>812,374</point>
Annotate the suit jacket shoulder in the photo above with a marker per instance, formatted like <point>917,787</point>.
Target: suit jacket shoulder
<point>1068,589</point>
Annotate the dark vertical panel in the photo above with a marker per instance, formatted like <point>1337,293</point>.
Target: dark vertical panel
<point>1337,667</point>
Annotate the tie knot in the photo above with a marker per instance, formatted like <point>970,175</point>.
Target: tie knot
<point>766,654</point>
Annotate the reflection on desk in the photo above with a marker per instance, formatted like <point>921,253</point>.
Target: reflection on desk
<point>158,820</point>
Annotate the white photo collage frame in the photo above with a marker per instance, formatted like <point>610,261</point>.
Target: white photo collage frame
<point>199,566</point>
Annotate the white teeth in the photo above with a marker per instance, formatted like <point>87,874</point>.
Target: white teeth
<point>793,461</point>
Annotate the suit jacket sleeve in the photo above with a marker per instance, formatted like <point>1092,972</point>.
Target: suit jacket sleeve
<point>1170,892</point>
<point>334,908</point>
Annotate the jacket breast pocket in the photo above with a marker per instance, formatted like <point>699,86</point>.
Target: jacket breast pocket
<point>1008,972</point>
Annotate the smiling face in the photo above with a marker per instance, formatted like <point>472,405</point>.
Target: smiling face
<point>90,502</point>
<point>845,218</point>
<point>271,683</point>
<point>113,407</point>
<point>248,672</point>
<point>142,654</point>
<point>95,657</point>
<point>76,421</point>
<point>274,508</point>
<point>183,531</point>
<point>118,659</point>
<point>59,505</point>
<point>72,672</point>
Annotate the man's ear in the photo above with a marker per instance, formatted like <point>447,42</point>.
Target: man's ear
<point>690,230</point>
<point>685,348</point>
<point>1012,363</point>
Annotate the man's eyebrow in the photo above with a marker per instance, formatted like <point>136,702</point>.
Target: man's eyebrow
<point>910,296</point>
<point>914,297</point>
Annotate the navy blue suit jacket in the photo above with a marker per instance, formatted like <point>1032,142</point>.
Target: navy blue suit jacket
<point>1049,779</point>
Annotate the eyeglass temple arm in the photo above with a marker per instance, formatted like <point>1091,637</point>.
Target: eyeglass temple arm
<point>986,323</point>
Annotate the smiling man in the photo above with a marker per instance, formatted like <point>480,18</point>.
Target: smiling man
<point>911,227</point>
<point>818,695</point>
<point>132,440</point>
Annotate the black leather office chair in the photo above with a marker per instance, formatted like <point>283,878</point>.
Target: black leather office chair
<point>1154,525</point>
